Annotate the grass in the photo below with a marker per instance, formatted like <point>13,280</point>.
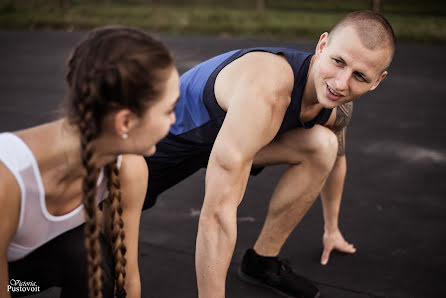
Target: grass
<point>298,22</point>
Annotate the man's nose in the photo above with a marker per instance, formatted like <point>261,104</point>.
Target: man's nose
<point>341,82</point>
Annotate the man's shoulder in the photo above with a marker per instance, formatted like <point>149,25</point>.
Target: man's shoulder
<point>257,75</point>
<point>268,69</point>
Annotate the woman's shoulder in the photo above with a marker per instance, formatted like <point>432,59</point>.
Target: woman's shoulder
<point>133,176</point>
<point>133,167</point>
<point>38,138</point>
<point>10,195</point>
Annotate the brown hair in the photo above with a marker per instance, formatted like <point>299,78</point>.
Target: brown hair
<point>373,30</point>
<point>114,67</point>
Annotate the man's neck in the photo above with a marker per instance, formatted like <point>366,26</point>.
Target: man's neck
<point>310,106</point>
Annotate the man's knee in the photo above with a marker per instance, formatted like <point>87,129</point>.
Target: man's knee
<point>323,147</point>
<point>317,145</point>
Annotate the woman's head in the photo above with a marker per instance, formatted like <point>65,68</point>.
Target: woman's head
<point>122,83</point>
<point>116,68</point>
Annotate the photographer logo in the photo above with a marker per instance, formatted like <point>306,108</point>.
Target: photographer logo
<point>16,285</point>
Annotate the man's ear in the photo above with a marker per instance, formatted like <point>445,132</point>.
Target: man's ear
<point>381,77</point>
<point>323,40</point>
<point>123,121</point>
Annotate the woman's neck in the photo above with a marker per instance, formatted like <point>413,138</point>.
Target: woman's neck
<point>57,149</point>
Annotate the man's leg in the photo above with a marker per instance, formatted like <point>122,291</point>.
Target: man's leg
<point>311,155</point>
<point>163,175</point>
<point>174,161</point>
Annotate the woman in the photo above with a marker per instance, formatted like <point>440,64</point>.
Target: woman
<point>123,87</point>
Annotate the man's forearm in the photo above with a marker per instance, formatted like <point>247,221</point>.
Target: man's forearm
<point>217,230</point>
<point>215,246</point>
<point>331,194</point>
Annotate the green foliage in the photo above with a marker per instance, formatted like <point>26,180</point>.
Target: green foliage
<point>287,19</point>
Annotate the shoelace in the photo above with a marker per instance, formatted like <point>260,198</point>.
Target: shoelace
<point>284,264</point>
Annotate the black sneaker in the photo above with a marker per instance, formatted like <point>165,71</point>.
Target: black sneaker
<point>276,274</point>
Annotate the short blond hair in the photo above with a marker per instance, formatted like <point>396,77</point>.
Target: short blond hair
<point>374,31</point>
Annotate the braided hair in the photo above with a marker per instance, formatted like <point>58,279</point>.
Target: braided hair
<point>114,67</point>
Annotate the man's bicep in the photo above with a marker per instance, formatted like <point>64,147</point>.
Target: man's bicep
<point>247,128</point>
<point>250,124</point>
<point>343,116</point>
<point>341,141</point>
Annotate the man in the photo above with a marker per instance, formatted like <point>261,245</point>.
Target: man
<point>247,109</point>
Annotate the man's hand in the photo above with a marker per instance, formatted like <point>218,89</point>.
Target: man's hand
<point>335,240</point>
<point>332,191</point>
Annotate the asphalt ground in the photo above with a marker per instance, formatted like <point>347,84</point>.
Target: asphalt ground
<point>395,192</point>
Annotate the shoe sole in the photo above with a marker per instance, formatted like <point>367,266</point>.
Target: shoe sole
<point>256,282</point>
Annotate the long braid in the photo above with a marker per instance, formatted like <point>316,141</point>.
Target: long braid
<point>117,228</point>
<point>113,68</point>
<point>88,132</point>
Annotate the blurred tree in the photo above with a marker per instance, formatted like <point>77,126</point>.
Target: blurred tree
<point>64,4</point>
<point>261,5</point>
<point>156,4</point>
<point>376,5</point>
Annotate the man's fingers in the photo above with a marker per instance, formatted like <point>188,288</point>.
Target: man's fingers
<point>347,248</point>
<point>326,255</point>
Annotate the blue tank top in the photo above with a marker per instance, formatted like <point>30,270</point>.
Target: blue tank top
<point>199,117</point>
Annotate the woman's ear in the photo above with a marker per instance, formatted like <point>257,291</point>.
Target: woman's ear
<point>123,122</point>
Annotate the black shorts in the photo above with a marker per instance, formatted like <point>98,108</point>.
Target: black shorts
<point>62,262</point>
<point>174,161</point>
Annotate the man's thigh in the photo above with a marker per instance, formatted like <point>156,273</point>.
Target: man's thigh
<point>174,161</point>
<point>163,174</point>
<point>294,146</point>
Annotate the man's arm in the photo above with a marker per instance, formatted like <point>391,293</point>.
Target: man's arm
<point>253,118</point>
<point>332,191</point>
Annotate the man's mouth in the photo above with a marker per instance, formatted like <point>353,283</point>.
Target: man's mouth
<point>333,95</point>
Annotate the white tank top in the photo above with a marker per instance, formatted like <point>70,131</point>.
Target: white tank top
<point>36,225</point>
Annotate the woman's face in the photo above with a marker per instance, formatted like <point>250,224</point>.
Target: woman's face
<point>155,123</point>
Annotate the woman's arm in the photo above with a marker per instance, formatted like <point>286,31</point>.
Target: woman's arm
<point>9,218</point>
<point>133,177</point>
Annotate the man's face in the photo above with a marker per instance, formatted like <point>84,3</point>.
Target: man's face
<point>344,69</point>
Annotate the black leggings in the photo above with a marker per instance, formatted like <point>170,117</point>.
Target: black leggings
<point>62,262</point>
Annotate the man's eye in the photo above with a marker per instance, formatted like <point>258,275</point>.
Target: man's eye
<point>337,61</point>
<point>360,78</point>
